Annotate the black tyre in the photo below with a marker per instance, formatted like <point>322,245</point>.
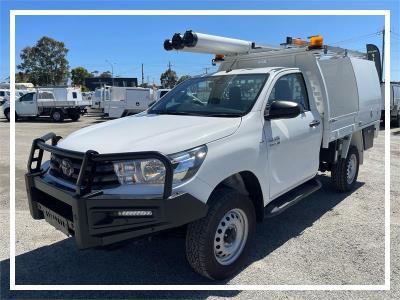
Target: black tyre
<point>218,245</point>
<point>7,114</point>
<point>57,115</point>
<point>344,173</point>
<point>74,116</point>
<point>397,121</point>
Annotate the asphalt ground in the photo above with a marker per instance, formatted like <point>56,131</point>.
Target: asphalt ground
<point>328,238</point>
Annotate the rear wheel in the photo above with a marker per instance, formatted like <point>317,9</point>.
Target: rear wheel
<point>397,121</point>
<point>218,245</point>
<point>345,171</point>
<point>57,115</point>
<point>74,115</point>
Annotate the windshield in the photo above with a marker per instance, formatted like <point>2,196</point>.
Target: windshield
<point>224,96</point>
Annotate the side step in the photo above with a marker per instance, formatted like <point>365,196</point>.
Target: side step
<point>285,201</point>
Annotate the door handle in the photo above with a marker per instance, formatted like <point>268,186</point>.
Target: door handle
<point>315,123</point>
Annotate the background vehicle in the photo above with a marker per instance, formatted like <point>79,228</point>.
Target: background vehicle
<point>124,101</point>
<point>160,93</point>
<point>20,93</point>
<point>394,103</point>
<point>4,96</point>
<point>98,97</point>
<point>58,103</point>
<point>218,153</point>
<point>87,98</point>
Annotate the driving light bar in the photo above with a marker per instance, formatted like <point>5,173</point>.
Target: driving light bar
<point>134,213</point>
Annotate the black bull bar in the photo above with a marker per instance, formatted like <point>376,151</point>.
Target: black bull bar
<point>89,160</point>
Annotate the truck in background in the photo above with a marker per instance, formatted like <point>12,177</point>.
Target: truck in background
<point>124,101</point>
<point>57,102</point>
<point>394,109</point>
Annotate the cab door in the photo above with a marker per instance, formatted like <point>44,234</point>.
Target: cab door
<point>27,105</point>
<point>293,144</point>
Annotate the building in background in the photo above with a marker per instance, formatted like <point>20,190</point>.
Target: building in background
<point>95,82</point>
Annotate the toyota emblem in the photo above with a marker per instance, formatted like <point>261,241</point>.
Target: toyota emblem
<point>66,167</point>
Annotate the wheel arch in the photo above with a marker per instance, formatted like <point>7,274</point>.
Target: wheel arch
<point>247,183</point>
<point>358,142</point>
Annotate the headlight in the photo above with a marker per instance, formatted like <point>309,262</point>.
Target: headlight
<point>152,171</point>
<point>187,163</point>
<point>148,171</point>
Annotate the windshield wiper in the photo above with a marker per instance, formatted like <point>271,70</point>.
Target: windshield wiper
<point>224,115</point>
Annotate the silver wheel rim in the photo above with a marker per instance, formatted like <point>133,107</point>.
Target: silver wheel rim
<point>231,236</point>
<point>351,168</point>
<point>56,116</point>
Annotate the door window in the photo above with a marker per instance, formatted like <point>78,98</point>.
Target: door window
<point>290,87</point>
<point>74,95</point>
<point>27,97</point>
<point>2,94</point>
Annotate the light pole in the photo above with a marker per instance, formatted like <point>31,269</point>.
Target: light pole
<point>112,71</point>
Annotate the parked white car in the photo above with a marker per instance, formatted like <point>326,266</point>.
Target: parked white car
<point>218,153</point>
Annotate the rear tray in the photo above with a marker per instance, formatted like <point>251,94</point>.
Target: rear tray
<point>285,201</point>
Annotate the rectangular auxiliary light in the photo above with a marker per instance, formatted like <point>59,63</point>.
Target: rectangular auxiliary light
<point>134,213</point>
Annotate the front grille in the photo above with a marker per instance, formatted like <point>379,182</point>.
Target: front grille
<point>104,175</point>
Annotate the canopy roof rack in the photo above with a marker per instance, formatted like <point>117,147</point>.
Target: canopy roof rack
<point>223,46</point>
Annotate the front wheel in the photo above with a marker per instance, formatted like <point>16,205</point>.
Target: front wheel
<point>7,114</point>
<point>218,244</point>
<point>345,171</point>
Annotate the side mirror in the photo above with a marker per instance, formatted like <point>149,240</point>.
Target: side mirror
<point>282,110</point>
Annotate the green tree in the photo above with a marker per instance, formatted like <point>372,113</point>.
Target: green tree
<point>45,63</point>
<point>21,77</point>
<point>168,79</point>
<point>106,74</point>
<point>78,75</point>
<point>183,78</point>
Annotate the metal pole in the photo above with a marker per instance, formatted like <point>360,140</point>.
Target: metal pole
<point>383,51</point>
<point>142,75</point>
<point>112,71</point>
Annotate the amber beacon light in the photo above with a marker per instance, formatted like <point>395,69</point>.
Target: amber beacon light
<point>316,41</point>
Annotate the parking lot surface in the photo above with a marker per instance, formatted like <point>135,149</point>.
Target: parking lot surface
<point>328,238</point>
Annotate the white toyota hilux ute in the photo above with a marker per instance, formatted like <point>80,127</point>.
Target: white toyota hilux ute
<point>217,154</point>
